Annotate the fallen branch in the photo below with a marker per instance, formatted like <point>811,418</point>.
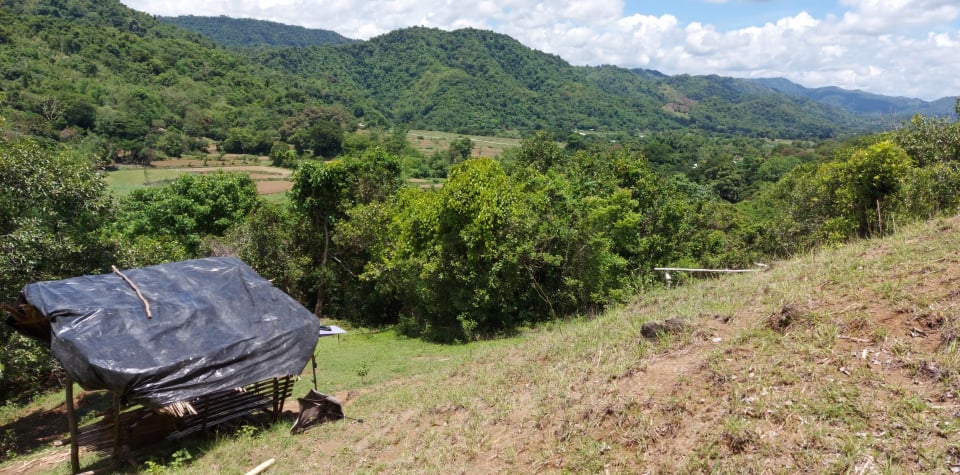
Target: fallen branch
<point>146,305</point>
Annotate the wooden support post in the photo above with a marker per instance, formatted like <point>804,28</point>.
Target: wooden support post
<point>276,398</point>
<point>287,382</point>
<point>313,357</point>
<point>117,448</point>
<point>72,422</point>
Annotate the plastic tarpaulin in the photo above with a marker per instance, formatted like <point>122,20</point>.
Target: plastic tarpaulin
<point>216,324</point>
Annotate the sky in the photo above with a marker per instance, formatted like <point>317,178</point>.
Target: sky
<point>892,47</point>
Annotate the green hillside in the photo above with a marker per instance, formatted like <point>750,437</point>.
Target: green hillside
<point>100,76</point>
<point>475,81</point>
<point>246,32</point>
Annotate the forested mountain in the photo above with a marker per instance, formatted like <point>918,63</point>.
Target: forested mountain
<point>860,102</point>
<point>128,84</point>
<point>750,109</point>
<point>125,84</point>
<point>475,81</point>
<point>246,32</point>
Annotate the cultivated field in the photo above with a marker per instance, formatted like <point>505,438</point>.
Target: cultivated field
<point>430,142</point>
<point>271,181</point>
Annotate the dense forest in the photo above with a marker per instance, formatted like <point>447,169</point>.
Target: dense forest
<point>245,32</point>
<point>619,171</point>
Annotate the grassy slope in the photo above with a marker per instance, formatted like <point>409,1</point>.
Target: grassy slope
<point>845,360</point>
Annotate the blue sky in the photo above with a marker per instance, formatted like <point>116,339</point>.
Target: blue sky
<point>891,47</point>
<point>731,14</point>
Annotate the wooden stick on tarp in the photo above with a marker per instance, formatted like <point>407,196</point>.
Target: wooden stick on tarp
<point>146,305</point>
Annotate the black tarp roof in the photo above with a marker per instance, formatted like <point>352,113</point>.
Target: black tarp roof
<point>216,324</point>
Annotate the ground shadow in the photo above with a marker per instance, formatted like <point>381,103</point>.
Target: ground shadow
<point>44,427</point>
<point>40,429</point>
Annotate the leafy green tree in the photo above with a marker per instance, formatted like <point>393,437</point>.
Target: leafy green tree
<point>460,149</point>
<point>281,155</point>
<point>324,138</point>
<point>170,142</point>
<point>455,258</point>
<point>930,140</point>
<point>490,251</point>
<point>540,152</point>
<point>51,206</point>
<point>833,201</point>
<point>867,179</point>
<point>323,192</point>
<point>271,240</point>
<point>929,191</point>
<point>187,210</point>
<point>247,140</point>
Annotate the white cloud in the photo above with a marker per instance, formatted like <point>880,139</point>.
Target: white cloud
<point>882,16</point>
<point>895,47</point>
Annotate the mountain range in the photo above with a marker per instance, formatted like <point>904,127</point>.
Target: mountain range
<point>247,33</point>
<point>68,67</point>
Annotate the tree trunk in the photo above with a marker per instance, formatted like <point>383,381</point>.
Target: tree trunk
<point>318,309</point>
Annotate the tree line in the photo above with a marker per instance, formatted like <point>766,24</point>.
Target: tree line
<point>545,231</point>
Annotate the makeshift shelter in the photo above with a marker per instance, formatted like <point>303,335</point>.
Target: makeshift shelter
<point>200,341</point>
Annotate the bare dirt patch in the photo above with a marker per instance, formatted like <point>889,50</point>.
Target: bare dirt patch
<point>273,187</point>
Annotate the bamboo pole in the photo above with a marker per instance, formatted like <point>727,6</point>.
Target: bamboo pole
<point>260,468</point>
<point>72,422</point>
<point>722,271</point>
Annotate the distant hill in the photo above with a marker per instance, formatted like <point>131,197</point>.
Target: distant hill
<point>860,102</point>
<point>245,32</point>
<point>478,81</point>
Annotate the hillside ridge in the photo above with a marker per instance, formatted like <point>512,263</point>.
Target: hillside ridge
<point>862,102</point>
<point>841,360</point>
<point>248,32</point>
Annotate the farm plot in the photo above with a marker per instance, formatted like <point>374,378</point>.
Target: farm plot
<point>270,180</point>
